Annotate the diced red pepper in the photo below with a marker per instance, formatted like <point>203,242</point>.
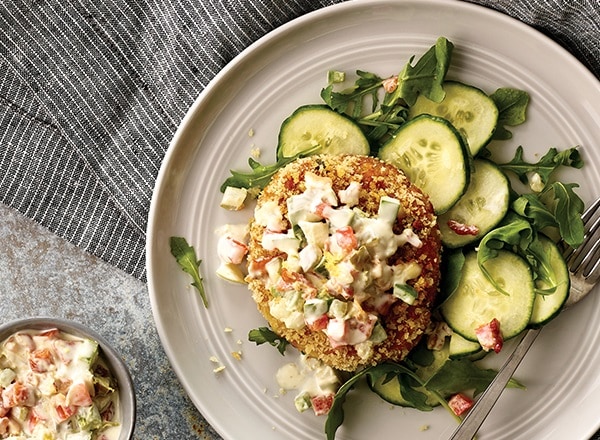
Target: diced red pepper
<point>63,412</point>
<point>79,395</point>
<point>17,394</point>
<point>346,239</point>
<point>489,336</point>
<point>319,323</point>
<point>322,404</point>
<point>462,229</point>
<point>40,360</point>
<point>460,403</point>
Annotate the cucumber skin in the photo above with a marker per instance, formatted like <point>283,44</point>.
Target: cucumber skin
<point>365,149</point>
<point>386,153</point>
<point>463,348</point>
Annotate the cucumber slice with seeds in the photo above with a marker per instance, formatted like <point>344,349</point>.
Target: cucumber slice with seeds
<point>434,157</point>
<point>469,109</point>
<point>312,125</point>
<point>476,301</point>
<point>480,209</point>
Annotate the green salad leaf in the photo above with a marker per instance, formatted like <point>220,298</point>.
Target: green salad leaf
<point>335,417</point>
<point>260,175</point>
<point>457,375</point>
<point>386,115</point>
<point>567,208</point>
<point>427,75</point>
<point>453,377</point>
<point>264,335</point>
<point>545,166</point>
<point>512,106</point>
<point>453,261</point>
<point>189,263</point>
<point>351,100</point>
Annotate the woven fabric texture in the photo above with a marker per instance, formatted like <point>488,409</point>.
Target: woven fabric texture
<point>92,92</point>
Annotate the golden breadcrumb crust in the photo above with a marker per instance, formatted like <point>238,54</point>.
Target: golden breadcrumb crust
<point>404,324</point>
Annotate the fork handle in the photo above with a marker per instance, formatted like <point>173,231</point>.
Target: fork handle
<point>475,417</point>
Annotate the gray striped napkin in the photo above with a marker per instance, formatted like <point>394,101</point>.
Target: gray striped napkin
<point>92,92</point>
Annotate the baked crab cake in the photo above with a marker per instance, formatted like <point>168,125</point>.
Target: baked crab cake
<point>344,258</point>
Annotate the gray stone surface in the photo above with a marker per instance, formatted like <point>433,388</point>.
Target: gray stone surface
<point>43,275</point>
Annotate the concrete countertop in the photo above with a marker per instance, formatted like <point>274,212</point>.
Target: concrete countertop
<point>43,275</point>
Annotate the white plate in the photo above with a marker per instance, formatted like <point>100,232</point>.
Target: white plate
<point>256,92</point>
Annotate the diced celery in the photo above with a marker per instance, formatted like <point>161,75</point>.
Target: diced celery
<point>388,209</point>
<point>335,76</point>
<point>230,272</point>
<point>378,334</point>
<point>338,308</point>
<point>405,292</point>
<point>88,351</point>
<point>6,377</point>
<point>88,418</point>
<point>315,232</point>
<point>302,402</point>
<point>341,217</point>
<point>315,307</point>
<point>234,198</point>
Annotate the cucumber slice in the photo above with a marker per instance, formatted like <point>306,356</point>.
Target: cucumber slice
<point>469,109</point>
<point>313,125</point>
<point>547,307</point>
<point>391,390</point>
<point>460,347</point>
<point>434,157</point>
<point>476,301</point>
<point>483,205</point>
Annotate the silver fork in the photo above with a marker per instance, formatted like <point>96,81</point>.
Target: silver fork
<point>584,272</point>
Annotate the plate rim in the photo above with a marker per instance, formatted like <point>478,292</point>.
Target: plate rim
<point>209,90</point>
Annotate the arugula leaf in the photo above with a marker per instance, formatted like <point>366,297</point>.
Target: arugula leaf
<point>567,211</point>
<point>263,335</point>
<point>335,417</point>
<point>514,233</point>
<point>545,166</point>
<point>512,106</point>
<point>261,175</point>
<point>565,207</point>
<point>452,263</point>
<point>351,100</point>
<point>531,207</point>
<point>454,376</point>
<point>427,75</point>
<point>562,209</point>
<point>460,374</point>
<point>189,263</point>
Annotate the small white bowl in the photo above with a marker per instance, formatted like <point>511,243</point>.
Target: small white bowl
<point>127,401</point>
